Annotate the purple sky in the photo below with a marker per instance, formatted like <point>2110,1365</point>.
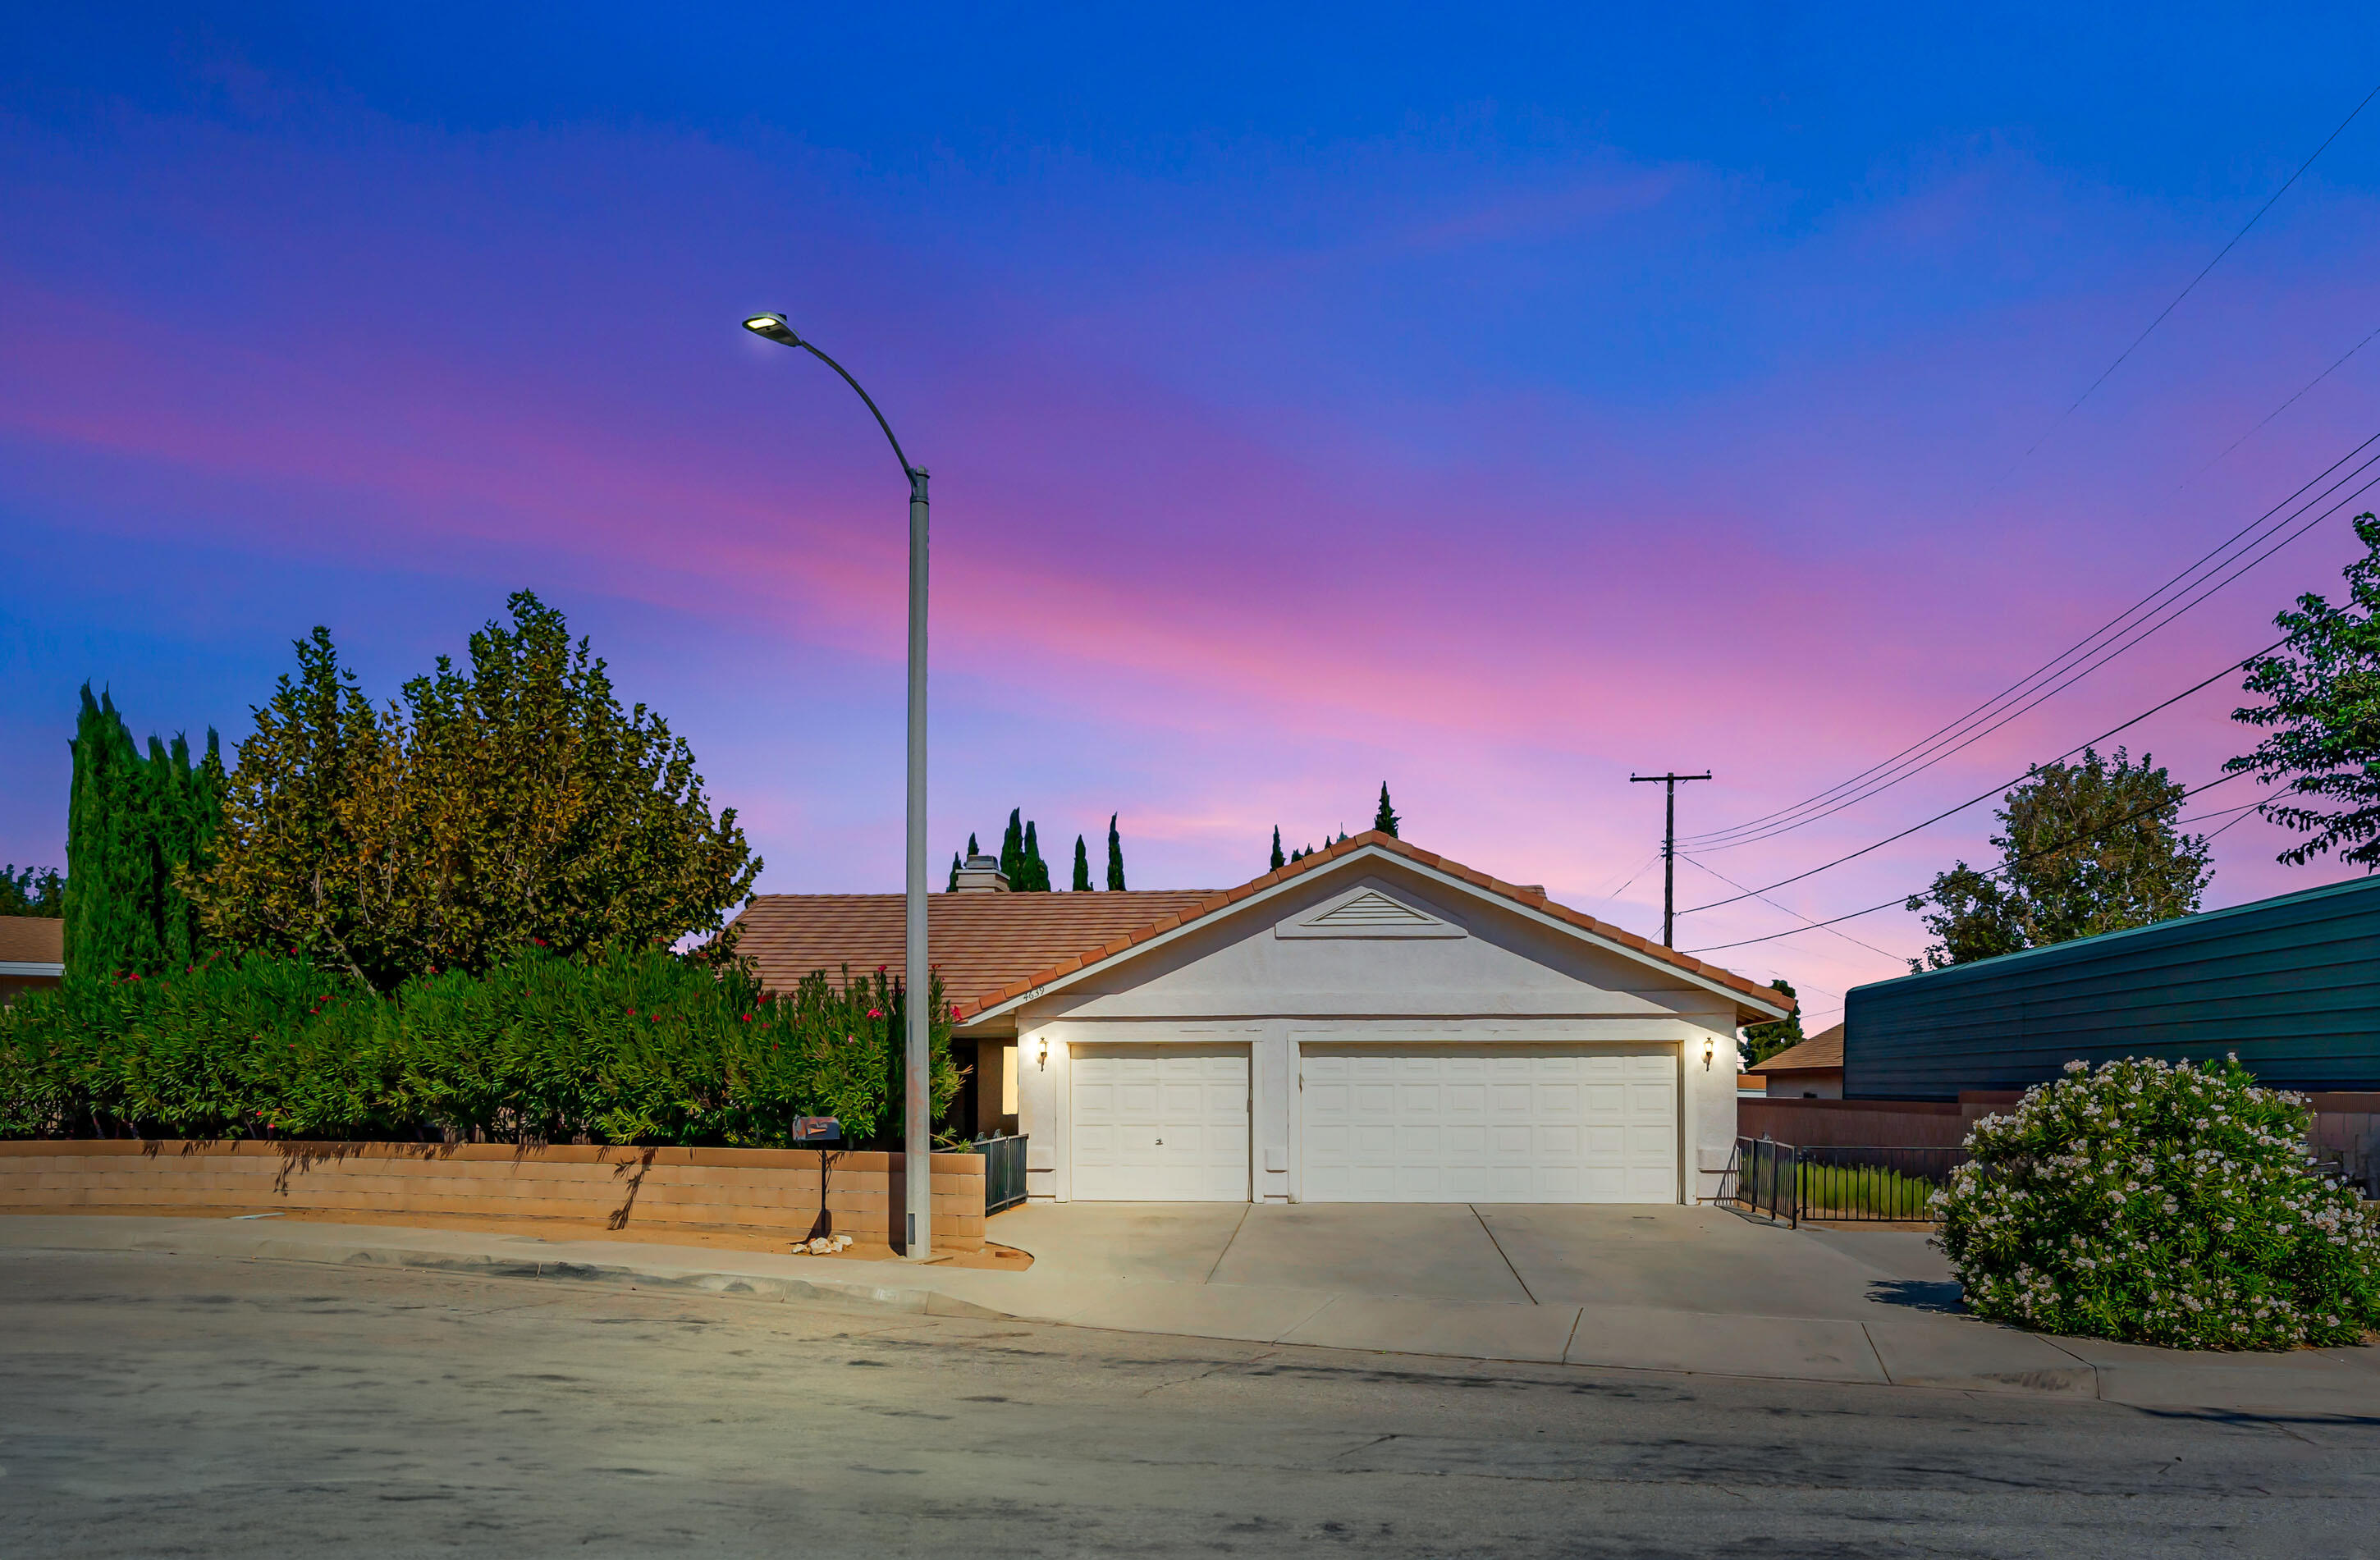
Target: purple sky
<point>1478,411</point>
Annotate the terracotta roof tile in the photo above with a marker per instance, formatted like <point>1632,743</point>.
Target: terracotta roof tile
<point>982,943</point>
<point>33,939</point>
<point>993,948</point>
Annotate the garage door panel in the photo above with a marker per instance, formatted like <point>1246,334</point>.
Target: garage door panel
<point>1419,1124</point>
<point>1161,1124</point>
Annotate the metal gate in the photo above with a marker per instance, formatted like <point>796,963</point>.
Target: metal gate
<point>1003,1171</point>
<point>1760,1175</point>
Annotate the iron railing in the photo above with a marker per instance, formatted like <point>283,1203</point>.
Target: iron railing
<point>1838,1184</point>
<point>1003,1171</point>
<point>1760,1177</point>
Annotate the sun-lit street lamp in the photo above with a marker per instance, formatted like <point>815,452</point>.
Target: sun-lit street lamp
<point>917,1127</point>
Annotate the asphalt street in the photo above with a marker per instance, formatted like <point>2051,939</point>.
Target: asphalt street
<point>188,1405</point>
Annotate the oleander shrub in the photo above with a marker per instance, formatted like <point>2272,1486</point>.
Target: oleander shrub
<point>634,1047</point>
<point>2160,1204</point>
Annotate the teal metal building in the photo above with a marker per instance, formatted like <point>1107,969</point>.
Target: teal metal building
<point>2290,984</point>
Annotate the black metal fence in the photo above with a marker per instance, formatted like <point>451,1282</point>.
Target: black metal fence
<point>1003,1171</point>
<point>1760,1177</point>
<point>1838,1184</point>
<point>1873,1184</point>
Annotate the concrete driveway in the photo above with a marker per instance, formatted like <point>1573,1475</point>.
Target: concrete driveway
<point>1703,1260</point>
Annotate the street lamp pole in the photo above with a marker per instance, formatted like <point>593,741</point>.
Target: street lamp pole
<point>917,1125</point>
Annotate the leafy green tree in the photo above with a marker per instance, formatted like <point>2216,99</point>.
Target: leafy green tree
<point>1115,855</point>
<point>1279,860</point>
<point>511,804</point>
<point>2087,847</point>
<point>134,823</point>
<point>2324,718</point>
<point>1082,884</point>
<point>1762,1041</point>
<point>1385,820</point>
<point>30,893</point>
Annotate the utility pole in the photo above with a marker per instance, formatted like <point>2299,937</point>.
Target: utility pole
<point>1669,850</point>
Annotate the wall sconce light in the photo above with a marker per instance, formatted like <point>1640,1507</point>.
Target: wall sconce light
<point>1710,1049</point>
<point>1041,1053</point>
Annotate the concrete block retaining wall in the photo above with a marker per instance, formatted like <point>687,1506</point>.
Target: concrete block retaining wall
<point>769,1190</point>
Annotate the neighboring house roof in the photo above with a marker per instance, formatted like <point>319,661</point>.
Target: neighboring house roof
<point>980,942</point>
<point>33,939</point>
<point>1000,948</point>
<point>1820,1052</point>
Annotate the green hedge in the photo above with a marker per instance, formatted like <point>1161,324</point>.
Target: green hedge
<point>641,1047</point>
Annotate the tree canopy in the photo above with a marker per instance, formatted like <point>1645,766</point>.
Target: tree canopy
<point>1115,855</point>
<point>1762,1041</point>
<point>2324,720</point>
<point>31,891</point>
<point>511,803</point>
<point>2087,848</point>
<point>1385,820</point>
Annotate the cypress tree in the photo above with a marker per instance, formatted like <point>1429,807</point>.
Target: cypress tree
<point>133,824</point>
<point>1036,871</point>
<point>1385,820</point>
<point>1012,849</point>
<point>1082,866</point>
<point>1115,856</point>
<point>1277,861</point>
<point>973,849</point>
<point>953,887</point>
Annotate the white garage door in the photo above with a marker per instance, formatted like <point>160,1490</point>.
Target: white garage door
<point>1161,1124</point>
<point>1463,1124</point>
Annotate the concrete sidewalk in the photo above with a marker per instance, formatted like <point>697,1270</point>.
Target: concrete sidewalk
<point>1591,1290</point>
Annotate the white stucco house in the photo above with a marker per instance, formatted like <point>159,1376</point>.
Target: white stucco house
<point>1373,1023</point>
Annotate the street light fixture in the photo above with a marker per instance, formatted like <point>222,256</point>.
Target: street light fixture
<point>917,1127</point>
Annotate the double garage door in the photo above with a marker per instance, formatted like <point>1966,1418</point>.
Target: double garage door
<point>1384,1124</point>
<point>1431,1124</point>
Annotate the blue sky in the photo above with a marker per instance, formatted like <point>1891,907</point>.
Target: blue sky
<point>1491,404</point>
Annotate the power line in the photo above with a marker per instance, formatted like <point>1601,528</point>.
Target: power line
<point>1995,872</point>
<point>2277,411</point>
<point>1786,908</point>
<point>1965,731</point>
<point>1827,926</point>
<point>1995,791</point>
<point>2194,280</point>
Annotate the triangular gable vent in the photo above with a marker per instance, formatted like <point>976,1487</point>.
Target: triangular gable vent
<point>1366,911</point>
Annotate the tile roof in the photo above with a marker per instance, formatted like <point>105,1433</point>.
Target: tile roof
<point>1823,1049</point>
<point>999,946</point>
<point>980,942</point>
<point>33,939</point>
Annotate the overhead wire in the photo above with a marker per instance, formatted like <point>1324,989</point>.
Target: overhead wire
<point>1964,732</point>
<point>1995,872</point>
<point>1995,791</point>
<point>1786,908</point>
<point>1829,927</point>
<point>2269,201</point>
<point>2338,363</point>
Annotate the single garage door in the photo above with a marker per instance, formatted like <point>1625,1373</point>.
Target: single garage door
<point>1466,1124</point>
<point>1161,1124</point>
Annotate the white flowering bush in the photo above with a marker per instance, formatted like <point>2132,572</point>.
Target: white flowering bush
<point>2161,1204</point>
